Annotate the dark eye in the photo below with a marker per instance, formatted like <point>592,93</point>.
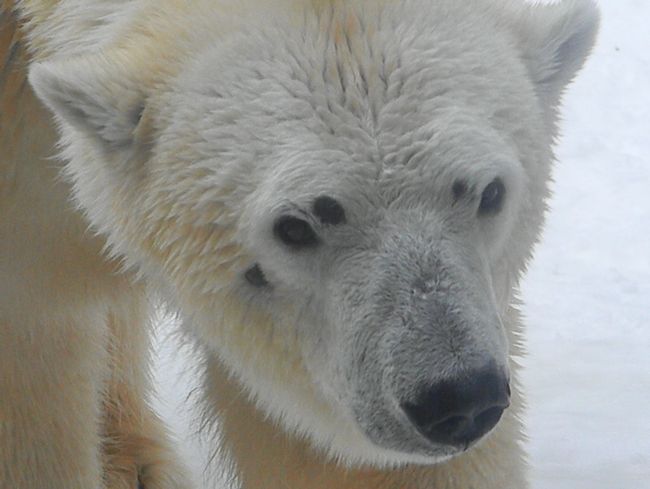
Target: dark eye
<point>295,232</point>
<point>492,197</point>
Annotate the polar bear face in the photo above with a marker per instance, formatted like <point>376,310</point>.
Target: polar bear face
<point>340,199</point>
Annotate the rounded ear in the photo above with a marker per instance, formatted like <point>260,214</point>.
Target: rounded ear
<point>556,40</point>
<point>96,95</point>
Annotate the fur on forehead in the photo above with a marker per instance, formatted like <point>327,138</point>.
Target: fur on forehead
<point>347,62</point>
<point>344,93</point>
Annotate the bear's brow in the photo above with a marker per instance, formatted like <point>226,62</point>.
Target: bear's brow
<point>328,210</point>
<point>459,189</point>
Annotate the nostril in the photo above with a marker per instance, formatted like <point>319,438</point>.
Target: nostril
<point>488,419</point>
<point>452,425</point>
<point>459,412</point>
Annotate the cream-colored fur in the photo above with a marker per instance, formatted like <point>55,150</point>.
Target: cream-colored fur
<point>74,330</point>
<point>180,168</point>
<point>265,457</point>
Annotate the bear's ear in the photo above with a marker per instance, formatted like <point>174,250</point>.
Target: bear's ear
<point>556,41</point>
<point>96,95</point>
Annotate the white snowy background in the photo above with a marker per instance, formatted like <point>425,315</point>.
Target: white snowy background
<point>587,293</point>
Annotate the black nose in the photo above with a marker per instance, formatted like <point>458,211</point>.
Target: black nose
<point>458,412</point>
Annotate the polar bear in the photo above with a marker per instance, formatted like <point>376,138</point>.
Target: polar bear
<point>339,198</point>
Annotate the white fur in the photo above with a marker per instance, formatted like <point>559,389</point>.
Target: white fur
<point>252,111</point>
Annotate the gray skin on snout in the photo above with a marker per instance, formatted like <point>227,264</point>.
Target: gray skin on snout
<point>418,313</point>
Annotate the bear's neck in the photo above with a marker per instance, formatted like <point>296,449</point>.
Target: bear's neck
<point>265,457</point>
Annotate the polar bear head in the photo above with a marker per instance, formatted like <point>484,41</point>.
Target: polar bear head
<point>339,196</point>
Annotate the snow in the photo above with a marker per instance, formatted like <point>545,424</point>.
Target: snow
<point>587,293</point>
